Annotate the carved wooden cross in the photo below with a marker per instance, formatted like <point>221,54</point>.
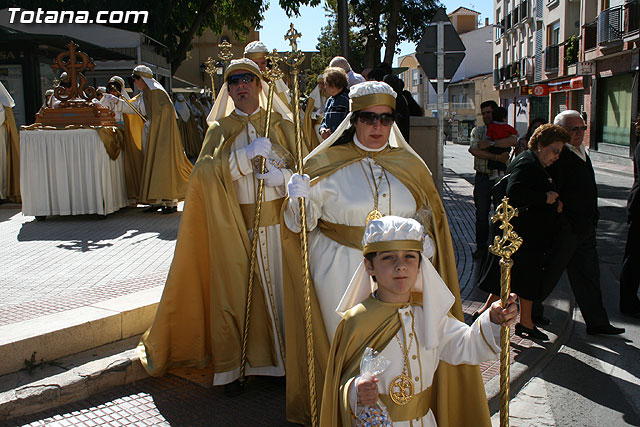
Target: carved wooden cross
<point>73,63</point>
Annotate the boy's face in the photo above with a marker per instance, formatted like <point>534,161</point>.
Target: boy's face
<point>396,273</point>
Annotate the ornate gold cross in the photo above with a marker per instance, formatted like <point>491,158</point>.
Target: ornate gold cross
<point>225,54</point>
<point>274,72</point>
<point>506,245</point>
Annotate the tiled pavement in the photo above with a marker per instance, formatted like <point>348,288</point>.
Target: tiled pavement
<point>115,262</point>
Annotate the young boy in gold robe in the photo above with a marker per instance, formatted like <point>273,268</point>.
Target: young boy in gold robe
<point>398,305</point>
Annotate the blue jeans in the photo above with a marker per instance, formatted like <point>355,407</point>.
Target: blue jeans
<point>482,198</point>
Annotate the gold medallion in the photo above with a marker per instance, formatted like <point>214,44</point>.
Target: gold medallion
<point>374,214</point>
<point>401,390</point>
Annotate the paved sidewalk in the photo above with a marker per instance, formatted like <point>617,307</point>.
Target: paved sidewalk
<point>66,262</point>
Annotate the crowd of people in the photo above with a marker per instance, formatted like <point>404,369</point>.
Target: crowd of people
<point>551,182</point>
<point>382,272</point>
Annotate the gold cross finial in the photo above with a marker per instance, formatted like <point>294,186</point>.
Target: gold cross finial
<point>292,35</point>
<point>504,246</point>
<point>225,52</point>
<point>274,72</point>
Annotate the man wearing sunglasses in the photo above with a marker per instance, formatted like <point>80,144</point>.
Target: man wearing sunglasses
<point>206,291</point>
<point>165,169</point>
<point>575,244</point>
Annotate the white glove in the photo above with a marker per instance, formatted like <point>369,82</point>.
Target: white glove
<point>258,147</point>
<point>298,186</point>
<point>273,178</point>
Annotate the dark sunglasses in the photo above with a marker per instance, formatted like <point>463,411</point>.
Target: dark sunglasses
<point>135,77</point>
<point>578,128</point>
<point>237,78</point>
<point>369,118</point>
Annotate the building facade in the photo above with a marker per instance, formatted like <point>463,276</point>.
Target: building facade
<point>550,56</point>
<point>469,87</point>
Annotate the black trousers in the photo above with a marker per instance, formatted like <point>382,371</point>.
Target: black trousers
<point>576,252</point>
<point>630,275</point>
<point>482,198</point>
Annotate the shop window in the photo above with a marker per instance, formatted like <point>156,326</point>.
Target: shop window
<point>614,109</point>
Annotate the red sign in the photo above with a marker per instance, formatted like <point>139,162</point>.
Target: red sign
<point>540,90</point>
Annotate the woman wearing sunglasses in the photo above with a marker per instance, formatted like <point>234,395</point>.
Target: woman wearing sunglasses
<point>364,170</point>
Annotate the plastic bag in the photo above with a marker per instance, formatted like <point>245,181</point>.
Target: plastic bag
<point>373,364</point>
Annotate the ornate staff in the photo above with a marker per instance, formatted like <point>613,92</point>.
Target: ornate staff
<point>294,60</point>
<point>144,119</point>
<point>505,246</point>
<point>271,75</point>
<point>211,70</point>
<point>225,54</point>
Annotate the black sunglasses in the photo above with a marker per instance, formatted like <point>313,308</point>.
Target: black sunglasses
<point>135,77</point>
<point>369,118</point>
<point>237,78</point>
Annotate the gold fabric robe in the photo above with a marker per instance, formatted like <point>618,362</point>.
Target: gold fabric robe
<point>200,319</point>
<point>414,175</point>
<point>13,157</point>
<point>166,169</point>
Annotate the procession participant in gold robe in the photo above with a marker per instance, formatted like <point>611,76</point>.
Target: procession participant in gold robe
<point>9,149</point>
<point>397,305</point>
<point>199,112</point>
<point>257,52</point>
<point>189,132</point>
<point>364,169</point>
<point>314,113</point>
<point>200,319</point>
<point>166,169</point>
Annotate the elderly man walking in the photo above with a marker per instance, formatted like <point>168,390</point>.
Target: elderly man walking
<point>575,246</point>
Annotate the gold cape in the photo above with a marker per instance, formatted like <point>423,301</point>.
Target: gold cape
<point>308,128</point>
<point>200,319</point>
<point>166,169</point>
<point>373,323</point>
<point>13,157</point>
<point>190,136</point>
<point>133,155</point>
<point>415,176</point>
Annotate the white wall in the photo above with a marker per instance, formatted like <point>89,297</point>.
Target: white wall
<point>479,54</point>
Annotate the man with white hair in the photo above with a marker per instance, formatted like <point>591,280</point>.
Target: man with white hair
<point>257,52</point>
<point>354,78</point>
<point>200,319</point>
<point>575,244</point>
<point>166,169</point>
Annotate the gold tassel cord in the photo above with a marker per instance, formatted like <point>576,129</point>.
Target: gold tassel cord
<point>505,246</point>
<point>271,75</point>
<point>294,60</point>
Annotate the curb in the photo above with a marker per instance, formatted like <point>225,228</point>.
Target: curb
<point>69,332</point>
<point>536,358</point>
<point>70,379</point>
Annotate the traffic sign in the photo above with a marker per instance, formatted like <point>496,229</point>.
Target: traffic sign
<point>427,51</point>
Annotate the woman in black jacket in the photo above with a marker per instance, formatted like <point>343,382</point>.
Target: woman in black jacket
<point>532,191</point>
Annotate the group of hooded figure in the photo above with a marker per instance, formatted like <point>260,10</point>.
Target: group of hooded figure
<point>362,186</point>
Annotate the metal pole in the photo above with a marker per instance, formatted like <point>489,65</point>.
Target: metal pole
<point>441,141</point>
<point>343,28</point>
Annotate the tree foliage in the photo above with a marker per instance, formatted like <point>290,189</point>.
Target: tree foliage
<point>173,23</point>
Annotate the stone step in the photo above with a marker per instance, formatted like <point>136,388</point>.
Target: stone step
<point>69,332</point>
<point>53,383</point>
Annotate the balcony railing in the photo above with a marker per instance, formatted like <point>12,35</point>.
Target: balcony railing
<point>610,25</point>
<point>551,58</point>
<point>503,74</point>
<point>631,16</point>
<point>591,35</point>
<point>507,72</point>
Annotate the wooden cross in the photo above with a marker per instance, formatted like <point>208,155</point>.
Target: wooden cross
<point>73,62</point>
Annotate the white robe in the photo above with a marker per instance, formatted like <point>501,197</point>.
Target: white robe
<point>344,198</point>
<point>458,344</point>
<point>4,146</point>
<point>269,250</point>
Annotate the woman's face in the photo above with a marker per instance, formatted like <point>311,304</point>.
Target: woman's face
<point>549,154</point>
<point>374,135</point>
